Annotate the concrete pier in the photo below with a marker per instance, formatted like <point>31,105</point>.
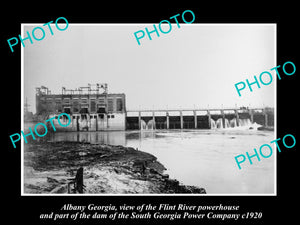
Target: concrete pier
<point>195,119</point>
<point>168,121</point>
<point>237,118</point>
<point>181,120</point>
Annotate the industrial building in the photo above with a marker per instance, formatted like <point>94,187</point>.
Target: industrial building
<point>91,108</point>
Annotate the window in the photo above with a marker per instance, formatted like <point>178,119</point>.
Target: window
<point>110,105</point>
<point>112,116</point>
<point>84,110</point>
<point>75,106</point>
<point>66,100</point>
<point>93,106</point>
<point>101,100</point>
<point>67,110</point>
<point>119,104</point>
<point>101,110</point>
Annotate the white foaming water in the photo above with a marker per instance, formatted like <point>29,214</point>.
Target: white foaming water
<point>244,124</point>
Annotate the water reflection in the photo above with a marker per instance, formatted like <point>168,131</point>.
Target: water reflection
<point>112,137</point>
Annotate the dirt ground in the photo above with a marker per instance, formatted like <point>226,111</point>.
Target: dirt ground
<point>107,169</point>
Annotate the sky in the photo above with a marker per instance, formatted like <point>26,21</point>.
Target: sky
<point>194,66</point>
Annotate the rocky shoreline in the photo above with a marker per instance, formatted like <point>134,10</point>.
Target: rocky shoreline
<point>107,169</point>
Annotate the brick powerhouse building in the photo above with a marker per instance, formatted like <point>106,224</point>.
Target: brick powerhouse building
<point>91,108</point>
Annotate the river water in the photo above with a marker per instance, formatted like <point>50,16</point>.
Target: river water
<point>203,158</point>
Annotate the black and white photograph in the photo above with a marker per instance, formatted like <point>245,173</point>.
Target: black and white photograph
<point>167,114</point>
<point>149,115</point>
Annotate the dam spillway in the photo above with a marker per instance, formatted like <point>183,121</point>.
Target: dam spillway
<point>198,118</point>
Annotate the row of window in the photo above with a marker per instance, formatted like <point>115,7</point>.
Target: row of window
<point>76,105</point>
<point>101,116</point>
<point>78,100</point>
<point>67,99</point>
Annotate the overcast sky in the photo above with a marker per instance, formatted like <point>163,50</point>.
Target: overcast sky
<point>195,65</point>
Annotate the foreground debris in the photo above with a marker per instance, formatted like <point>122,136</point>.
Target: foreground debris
<point>49,166</point>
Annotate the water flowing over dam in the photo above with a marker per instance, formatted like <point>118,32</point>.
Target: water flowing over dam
<point>199,119</point>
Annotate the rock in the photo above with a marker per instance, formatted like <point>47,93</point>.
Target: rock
<point>171,182</point>
<point>60,189</point>
<point>266,128</point>
<point>52,180</point>
<point>105,155</point>
<point>30,188</point>
<point>191,189</point>
<point>153,171</point>
<point>130,149</point>
<point>117,171</point>
<point>82,153</point>
<point>158,177</point>
<point>165,176</point>
<point>173,186</point>
<point>138,174</point>
<point>146,171</point>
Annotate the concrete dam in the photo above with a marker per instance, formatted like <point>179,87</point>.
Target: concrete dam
<point>198,118</point>
<point>92,108</point>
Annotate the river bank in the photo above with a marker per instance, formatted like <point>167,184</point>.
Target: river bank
<point>107,169</point>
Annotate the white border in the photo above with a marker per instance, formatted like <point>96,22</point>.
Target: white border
<point>192,195</point>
